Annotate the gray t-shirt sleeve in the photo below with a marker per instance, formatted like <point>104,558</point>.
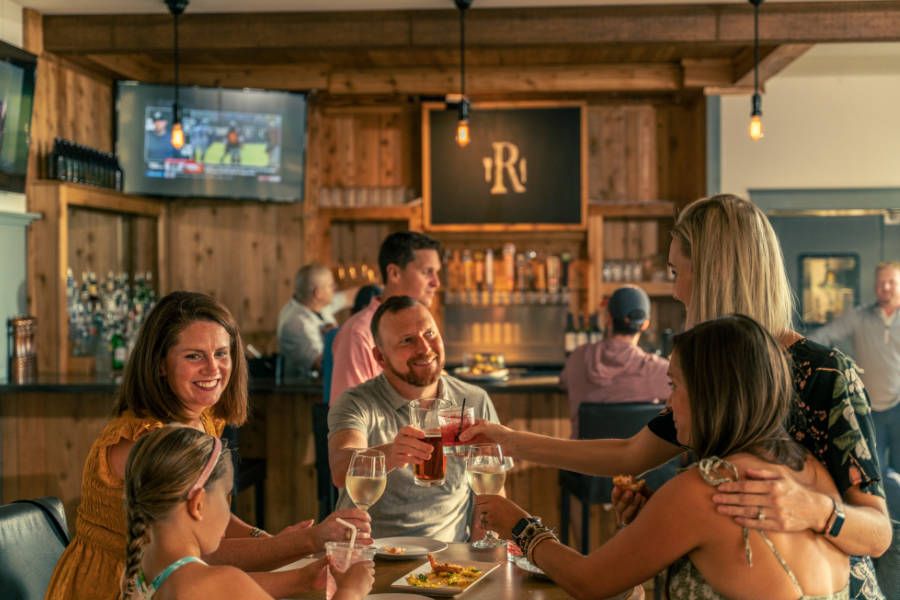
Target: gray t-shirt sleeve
<point>348,412</point>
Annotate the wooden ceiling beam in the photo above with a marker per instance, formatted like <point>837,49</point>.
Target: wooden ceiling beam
<point>772,61</point>
<point>706,72</point>
<point>790,23</point>
<point>654,77</point>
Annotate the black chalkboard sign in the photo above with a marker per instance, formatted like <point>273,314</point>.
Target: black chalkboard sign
<point>524,168</point>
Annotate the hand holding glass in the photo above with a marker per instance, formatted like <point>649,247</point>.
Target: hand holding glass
<point>366,478</point>
<point>426,416</point>
<point>486,474</point>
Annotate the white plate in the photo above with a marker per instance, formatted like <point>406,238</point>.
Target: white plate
<point>486,568</point>
<point>526,565</point>
<point>465,373</point>
<point>394,596</point>
<point>416,547</point>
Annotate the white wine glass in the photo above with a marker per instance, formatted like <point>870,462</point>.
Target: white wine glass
<point>366,478</point>
<point>486,474</point>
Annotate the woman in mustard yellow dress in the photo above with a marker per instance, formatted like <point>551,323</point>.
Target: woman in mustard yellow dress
<point>187,367</point>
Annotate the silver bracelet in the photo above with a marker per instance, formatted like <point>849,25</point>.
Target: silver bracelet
<point>256,532</point>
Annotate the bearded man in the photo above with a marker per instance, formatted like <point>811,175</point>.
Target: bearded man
<point>376,414</point>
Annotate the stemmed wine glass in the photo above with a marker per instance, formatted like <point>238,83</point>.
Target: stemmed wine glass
<point>486,474</point>
<point>366,478</point>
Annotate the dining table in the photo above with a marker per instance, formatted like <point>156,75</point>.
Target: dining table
<point>507,582</point>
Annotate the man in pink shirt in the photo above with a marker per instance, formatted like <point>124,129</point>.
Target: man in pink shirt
<point>615,369</point>
<point>409,264</point>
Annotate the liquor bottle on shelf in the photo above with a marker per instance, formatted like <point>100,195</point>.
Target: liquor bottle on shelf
<point>489,270</point>
<point>595,334</point>
<point>468,271</point>
<point>581,335</point>
<point>570,341</point>
<point>509,267</point>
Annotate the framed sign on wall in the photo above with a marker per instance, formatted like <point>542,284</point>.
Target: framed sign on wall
<point>524,169</point>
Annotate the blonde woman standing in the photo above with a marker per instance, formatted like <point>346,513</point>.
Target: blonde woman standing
<point>727,259</point>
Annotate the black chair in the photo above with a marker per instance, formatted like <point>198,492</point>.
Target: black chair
<point>602,421</point>
<point>248,472</point>
<point>33,534</point>
<point>325,490</point>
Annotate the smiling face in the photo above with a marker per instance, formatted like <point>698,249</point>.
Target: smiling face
<point>679,401</point>
<point>198,367</point>
<point>410,348</point>
<point>680,265</point>
<point>418,279</point>
<point>887,287</point>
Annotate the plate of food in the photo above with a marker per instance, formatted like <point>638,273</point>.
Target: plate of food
<point>406,548</point>
<point>436,578</point>
<point>475,373</point>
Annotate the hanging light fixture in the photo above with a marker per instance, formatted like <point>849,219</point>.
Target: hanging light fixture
<point>756,128</point>
<point>176,7</point>
<point>462,124</point>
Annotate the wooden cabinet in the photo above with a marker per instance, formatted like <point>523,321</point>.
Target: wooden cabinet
<point>84,228</point>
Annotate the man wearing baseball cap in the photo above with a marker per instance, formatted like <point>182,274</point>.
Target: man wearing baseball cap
<point>615,369</point>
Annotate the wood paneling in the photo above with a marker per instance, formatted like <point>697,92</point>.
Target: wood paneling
<point>681,151</point>
<point>45,441</point>
<point>243,253</point>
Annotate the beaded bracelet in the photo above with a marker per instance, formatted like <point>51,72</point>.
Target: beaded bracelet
<point>256,532</point>
<point>541,536</point>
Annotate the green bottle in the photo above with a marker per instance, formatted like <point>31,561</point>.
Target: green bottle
<point>118,351</point>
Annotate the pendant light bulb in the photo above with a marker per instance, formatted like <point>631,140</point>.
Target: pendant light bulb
<point>177,135</point>
<point>756,127</point>
<point>462,125</point>
<point>462,134</point>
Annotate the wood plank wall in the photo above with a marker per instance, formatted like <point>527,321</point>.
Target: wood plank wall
<point>243,253</point>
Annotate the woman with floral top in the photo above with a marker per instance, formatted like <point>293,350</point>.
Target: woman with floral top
<point>727,259</point>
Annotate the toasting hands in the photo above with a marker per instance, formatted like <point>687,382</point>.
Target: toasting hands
<point>407,448</point>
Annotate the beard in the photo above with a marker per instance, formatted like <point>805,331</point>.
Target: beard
<point>417,375</point>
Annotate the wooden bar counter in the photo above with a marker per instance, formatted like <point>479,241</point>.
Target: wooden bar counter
<point>47,428</point>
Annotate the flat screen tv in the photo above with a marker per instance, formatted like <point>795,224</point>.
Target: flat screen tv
<point>239,144</point>
<point>17,69</point>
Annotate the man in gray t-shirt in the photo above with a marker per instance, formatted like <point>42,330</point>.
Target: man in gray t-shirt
<point>376,414</point>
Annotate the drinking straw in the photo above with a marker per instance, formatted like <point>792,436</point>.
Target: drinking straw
<point>352,529</point>
<point>462,416</point>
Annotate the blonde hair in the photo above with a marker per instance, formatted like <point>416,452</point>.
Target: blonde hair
<point>161,469</point>
<point>736,262</point>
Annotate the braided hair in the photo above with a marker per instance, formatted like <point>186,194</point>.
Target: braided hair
<point>161,469</point>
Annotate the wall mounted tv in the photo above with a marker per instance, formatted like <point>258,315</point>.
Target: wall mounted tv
<point>240,144</point>
<point>16,99</point>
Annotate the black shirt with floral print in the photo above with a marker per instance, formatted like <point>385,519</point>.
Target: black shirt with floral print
<point>832,418</point>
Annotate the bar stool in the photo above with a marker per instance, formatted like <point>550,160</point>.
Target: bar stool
<point>248,472</point>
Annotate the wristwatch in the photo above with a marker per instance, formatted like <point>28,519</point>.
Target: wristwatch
<point>522,524</point>
<point>836,520</point>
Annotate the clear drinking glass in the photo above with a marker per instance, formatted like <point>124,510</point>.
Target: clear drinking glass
<point>425,415</point>
<point>366,478</point>
<point>486,474</point>
<point>454,420</point>
<point>342,558</point>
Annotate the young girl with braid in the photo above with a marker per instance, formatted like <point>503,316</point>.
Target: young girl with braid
<point>178,484</point>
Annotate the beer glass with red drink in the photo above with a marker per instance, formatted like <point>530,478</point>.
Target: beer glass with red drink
<point>425,415</point>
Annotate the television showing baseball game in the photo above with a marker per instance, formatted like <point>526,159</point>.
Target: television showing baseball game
<point>239,144</point>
